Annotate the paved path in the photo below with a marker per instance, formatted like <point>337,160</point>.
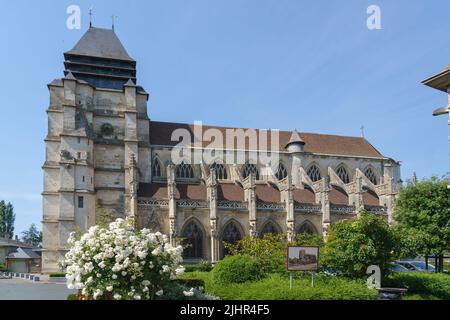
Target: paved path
<point>17,289</point>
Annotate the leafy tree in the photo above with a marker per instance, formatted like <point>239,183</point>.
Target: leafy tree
<point>353,245</point>
<point>422,208</point>
<point>270,250</point>
<point>32,236</point>
<point>7,218</point>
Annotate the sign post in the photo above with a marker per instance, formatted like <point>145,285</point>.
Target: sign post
<point>292,279</point>
<point>303,258</point>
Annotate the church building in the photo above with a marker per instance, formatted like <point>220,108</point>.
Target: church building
<point>106,159</point>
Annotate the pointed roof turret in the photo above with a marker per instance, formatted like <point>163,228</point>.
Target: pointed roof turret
<point>295,138</point>
<point>296,143</point>
<point>100,43</point>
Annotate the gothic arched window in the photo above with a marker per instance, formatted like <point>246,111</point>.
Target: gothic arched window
<point>230,235</point>
<point>314,173</point>
<point>185,171</point>
<point>281,172</point>
<point>370,175</point>
<point>156,169</point>
<point>307,227</point>
<point>343,174</point>
<point>269,227</point>
<point>250,168</point>
<point>192,241</point>
<point>221,172</point>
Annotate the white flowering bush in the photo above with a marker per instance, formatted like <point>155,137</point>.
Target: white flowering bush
<point>121,263</point>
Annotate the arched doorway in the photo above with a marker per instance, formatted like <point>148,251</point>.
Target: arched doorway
<point>192,235</point>
<point>231,234</point>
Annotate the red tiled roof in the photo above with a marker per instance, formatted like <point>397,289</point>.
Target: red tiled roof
<point>184,191</point>
<point>304,196</point>
<point>192,191</point>
<point>153,190</point>
<point>370,198</point>
<point>161,133</point>
<point>230,192</point>
<point>338,196</point>
<point>267,193</point>
<point>233,192</point>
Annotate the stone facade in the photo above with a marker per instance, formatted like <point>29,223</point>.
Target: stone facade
<point>105,159</point>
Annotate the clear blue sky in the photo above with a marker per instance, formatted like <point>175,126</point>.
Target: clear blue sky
<point>310,65</point>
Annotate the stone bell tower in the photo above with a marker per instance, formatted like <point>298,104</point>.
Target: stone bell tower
<point>97,143</point>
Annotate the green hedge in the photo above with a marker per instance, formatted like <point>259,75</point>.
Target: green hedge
<point>237,269</point>
<point>203,266</point>
<point>276,287</point>
<point>57,275</point>
<point>425,285</point>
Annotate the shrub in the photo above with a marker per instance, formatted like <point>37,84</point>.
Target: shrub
<point>119,262</point>
<point>237,269</point>
<point>72,297</point>
<point>353,245</point>
<point>307,239</point>
<point>191,283</point>
<point>57,275</point>
<point>2,267</point>
<point>421,283</point>
<point>270,251</point>
<point>203,266</point>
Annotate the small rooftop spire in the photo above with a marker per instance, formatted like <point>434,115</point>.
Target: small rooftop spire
<point>295,138</point>
<point>414,178</point>
<point>296,143</point>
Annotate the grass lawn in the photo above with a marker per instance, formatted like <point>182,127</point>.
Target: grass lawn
<point>276,287</point>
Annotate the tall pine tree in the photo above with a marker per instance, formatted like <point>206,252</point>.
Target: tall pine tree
<point>7,218</point>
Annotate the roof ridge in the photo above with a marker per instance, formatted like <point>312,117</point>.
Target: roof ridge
<point>282,131</point>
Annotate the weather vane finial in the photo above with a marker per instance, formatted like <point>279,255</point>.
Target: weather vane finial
<point>114,17</point>
<point>91,9</point>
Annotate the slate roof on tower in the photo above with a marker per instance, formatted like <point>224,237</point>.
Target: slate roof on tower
<point>100,59</point>
<point>100,43</point>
